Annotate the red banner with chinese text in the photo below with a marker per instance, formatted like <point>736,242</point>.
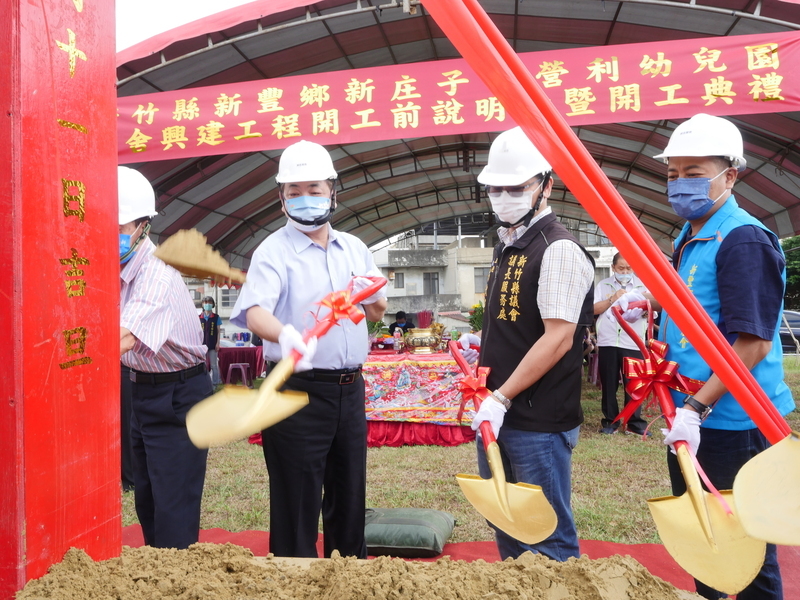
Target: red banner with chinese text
<point>634,82</point>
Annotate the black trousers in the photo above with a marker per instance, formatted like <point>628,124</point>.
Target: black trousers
<point>317,461</point>
<point>125,428</point>
<point>169,471</point>
<point>609,368</point>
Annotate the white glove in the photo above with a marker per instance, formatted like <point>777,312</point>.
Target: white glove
<point>290,339</point>
<point>362,283</point>
<point>633,314</point>
<point>626,299</point>
<point>466,340</point>
<point>491,410</point>
<point>686,427</point>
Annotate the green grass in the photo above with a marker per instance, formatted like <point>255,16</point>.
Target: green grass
<point>613,476</point>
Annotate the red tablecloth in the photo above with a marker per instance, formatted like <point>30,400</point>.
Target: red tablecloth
<point>241,354</point>
<point>393,433</point>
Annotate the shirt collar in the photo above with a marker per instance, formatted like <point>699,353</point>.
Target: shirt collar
<point>709,228</point>
<point>300,241</point>
<point>508,235</point>
<point>143,251</point>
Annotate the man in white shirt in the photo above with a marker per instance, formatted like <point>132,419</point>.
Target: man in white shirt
<point>317,457</point>
<point>614,343</point>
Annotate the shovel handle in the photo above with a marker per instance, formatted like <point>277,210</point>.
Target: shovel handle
<point>486,428</point>
<point>329,320</point>
<point>476,37</point>
<point>323,325</point>
<point>615,310</point>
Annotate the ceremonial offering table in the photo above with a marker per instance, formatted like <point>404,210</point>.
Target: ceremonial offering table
<point>413,399</point>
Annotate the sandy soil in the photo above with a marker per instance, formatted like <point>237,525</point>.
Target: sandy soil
<point>211,571</point>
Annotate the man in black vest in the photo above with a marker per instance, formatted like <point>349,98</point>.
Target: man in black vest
<point>211,322</point>
<point>539,300</point>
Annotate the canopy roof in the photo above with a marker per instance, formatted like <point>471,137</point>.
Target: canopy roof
<point>396,186</point>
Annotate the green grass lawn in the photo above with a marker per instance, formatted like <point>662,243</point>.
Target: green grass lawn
<point>613,476</point>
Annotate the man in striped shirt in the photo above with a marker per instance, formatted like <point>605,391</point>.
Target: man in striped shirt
<point>162,344</point>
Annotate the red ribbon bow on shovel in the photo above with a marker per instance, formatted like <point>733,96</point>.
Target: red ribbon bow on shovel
<point>470,386</point>
<point>341,306</point>
<point>644,374</point>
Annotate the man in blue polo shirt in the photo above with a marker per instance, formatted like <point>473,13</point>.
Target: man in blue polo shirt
<point>736,269</point>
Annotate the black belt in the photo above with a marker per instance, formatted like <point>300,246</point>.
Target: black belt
<point>154,378</point>
<point>340,376</point>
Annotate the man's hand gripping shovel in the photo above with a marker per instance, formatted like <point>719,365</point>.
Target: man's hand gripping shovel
<point>699,529</point>
<point>234,413</point>
<point>519,509</point>
<point>768,487</point>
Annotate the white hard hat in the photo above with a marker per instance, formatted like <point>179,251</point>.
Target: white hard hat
<point>136,196</point>
<point>305,161</point>
<point>706,135</point>
<point>513,160</point>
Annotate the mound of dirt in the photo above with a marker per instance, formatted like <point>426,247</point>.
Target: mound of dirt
<point>228,572</point>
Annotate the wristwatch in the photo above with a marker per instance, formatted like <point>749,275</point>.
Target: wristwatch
<point>702,409</point>
<point>501,399</point>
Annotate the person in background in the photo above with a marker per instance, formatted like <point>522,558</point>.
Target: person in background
<point>735,268</point>
<point>316,458</point>
<point>614,343</point>
<point>162,345</point>
<point>211,323</point>
<point>538,305</point>
<point>401,322</point>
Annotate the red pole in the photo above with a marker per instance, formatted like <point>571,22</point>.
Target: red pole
<point>474,35</point>
<point>59,392</point>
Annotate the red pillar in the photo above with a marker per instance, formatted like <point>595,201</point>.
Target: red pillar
<point>59,290</point>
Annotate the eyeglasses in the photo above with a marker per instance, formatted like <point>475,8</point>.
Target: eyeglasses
<point>514,192</point>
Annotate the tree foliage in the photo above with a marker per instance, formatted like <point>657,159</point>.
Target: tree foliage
<point>791,247</point>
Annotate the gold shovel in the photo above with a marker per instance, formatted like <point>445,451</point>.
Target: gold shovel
<point>232,414</point>
<point>519,509</point>
<point>767,493</point>
<point>237,412</point>
<point>708,542</point>
<point>704,538</point>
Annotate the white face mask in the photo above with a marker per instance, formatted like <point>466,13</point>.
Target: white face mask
<point>512,208</point>
<point>623,278</point>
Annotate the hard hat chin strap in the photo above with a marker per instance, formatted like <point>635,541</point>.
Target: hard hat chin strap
<point>126,256</point>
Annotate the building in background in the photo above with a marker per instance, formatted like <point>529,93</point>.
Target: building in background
<point>447,274</point>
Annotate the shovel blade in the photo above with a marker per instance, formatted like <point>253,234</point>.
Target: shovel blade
<point>738,557</point>
<point>234,413</point>
<point>527,516</point>
<point>767,493</point>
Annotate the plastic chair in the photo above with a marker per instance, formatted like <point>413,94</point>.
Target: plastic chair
<point>244,370</point>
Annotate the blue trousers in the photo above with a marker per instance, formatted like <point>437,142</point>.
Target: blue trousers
<point>543,459</point>
<point>721,454</point>
<point>168,470</point>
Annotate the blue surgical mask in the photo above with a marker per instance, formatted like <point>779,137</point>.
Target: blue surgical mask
<point>208,307</point>
<point>125,253</point>
<point>128,249</point>
<point>308,208</point>
<point>689,196</point>
<point>623,278</point>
